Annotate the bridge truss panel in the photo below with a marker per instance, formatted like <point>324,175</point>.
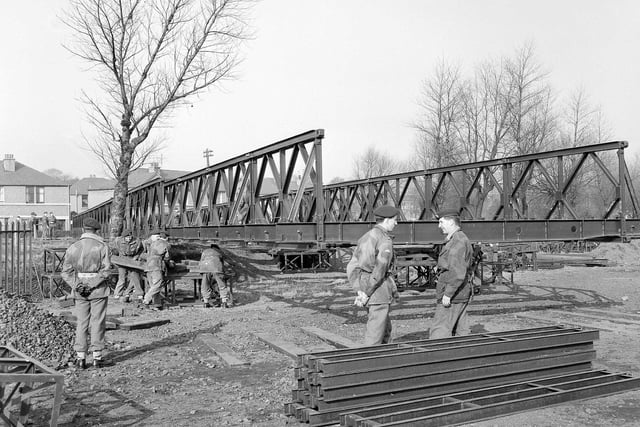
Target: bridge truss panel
<point>270,196</point>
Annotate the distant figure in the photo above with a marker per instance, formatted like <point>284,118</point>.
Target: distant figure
<point>212,261</point>
<point>34,224</point>
<point>368,272</point>
<point>158,255</point>
<point>86,269</point>
<point>44,225</point>
<point>453,290</point>
<point>51,222</point>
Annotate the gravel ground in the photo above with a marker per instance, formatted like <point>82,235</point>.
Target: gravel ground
<point>167,376</point>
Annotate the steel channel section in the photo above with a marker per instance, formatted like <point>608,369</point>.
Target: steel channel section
<point>308,360</point>
<point>330,416</point>
<point>429,391</point>
<point>331,367</point>
<point>493,405</point>
<point>428,368</point>
<point>348,353</point>
<point>352,418</point>
<point>450,376</point>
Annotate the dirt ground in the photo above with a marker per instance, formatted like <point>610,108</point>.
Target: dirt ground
<point>167,375</point>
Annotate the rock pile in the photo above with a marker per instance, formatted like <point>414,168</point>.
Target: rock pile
<point>35,332</point>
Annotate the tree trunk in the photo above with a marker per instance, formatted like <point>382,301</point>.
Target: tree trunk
<point>121,189</point>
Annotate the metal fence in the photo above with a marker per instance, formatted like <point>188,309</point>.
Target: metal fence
<point>15,257</point>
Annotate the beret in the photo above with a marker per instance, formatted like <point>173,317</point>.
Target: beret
<point>448,213</point>
<point>91,223</point>
<point>386,211</point>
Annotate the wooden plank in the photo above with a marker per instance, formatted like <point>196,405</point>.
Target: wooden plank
<point>281,346</point>
<point>220,348</point>
<point>566,322</point>
<point>143,324</point>
<point>330,337</point>
<point>611,313</point>
<point>122,261</point>
<point>602,317</point>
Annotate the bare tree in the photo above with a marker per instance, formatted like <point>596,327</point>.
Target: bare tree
<point>373,163</point>
<point>503,109</point>
<point>441,106</point>
<point>578,129</point>
<point>150,57</point>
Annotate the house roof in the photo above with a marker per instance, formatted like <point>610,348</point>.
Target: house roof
<point>24,175</point>
<point>143,175</point>
<point>92,183</point>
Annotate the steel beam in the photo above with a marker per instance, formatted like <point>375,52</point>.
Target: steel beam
<point>428,367</point>
<point>487,347</point>
<point>408,381</point>
<point>492,402</point>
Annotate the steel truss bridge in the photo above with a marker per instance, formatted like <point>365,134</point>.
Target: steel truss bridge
<point>275,197</point>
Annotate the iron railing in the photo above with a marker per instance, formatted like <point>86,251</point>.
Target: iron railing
<point>15,257</point>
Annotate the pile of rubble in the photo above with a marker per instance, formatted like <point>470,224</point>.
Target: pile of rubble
<point>35,332</point>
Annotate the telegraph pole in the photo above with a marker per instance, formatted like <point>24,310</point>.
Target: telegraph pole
<point>207,153</point>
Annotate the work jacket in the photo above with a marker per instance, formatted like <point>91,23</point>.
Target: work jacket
<point>211,260</point>
<point>157,255</point>
<point>131,248</point>
<point>453,265</point>
<point>369,267</point>
<point>87,262</point>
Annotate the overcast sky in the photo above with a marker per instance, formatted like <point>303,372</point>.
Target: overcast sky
<point>353,68</point>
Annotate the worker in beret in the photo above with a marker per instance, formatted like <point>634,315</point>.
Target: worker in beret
<point>212,266</point>
<point>368,272</point>
<point>453,289</point>
<point>86,269</point>
<point>158,256</point>
<point>127,246</point>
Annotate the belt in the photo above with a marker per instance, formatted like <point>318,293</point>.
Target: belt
<point>87,275</point>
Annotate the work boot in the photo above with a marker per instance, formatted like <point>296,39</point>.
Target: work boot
<point>98,363</point>
<point>81,363</point>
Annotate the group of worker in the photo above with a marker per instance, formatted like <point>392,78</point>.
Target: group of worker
<point>369,272</point>
<point>86,268</point>
<point>87,264</point>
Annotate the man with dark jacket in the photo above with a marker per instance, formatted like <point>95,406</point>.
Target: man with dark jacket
<point>368,272</point>
<point>86,269</point>
<point>212,266</point>
<point>453,290</point>
<point>157,249</point>
<point>127,246</point>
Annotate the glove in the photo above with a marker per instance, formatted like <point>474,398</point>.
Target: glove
<point>361,299</point>
<point>83,290</point>
<point>446,301</point>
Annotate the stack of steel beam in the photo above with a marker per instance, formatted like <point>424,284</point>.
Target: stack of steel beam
<point>347,381</point>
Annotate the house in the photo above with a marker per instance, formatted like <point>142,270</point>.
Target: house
<point>24,190</point>
<point>89,192</point>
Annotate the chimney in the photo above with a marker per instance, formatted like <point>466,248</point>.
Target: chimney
<point>9,163</point>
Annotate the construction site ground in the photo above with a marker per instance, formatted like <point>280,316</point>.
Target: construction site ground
<point>168,375</point>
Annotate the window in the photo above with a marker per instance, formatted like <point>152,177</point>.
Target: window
<point>35,194</point>
<point>84,200</point>
<point>1,193</point>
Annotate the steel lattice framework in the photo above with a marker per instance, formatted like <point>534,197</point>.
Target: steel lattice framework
<point>275,195</point>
